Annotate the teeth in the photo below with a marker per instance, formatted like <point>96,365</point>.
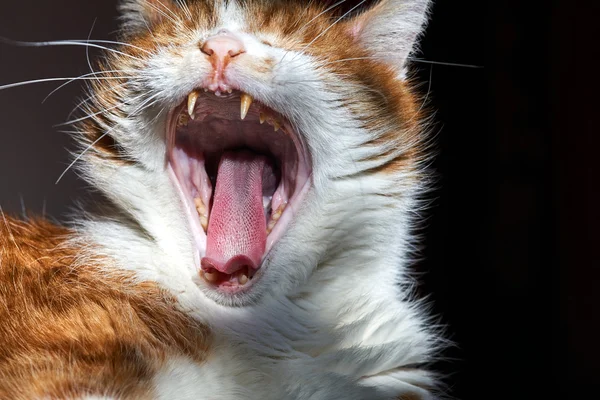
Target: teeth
<point>211,276</point>
<point>201,209</point>
<point>242,278</point>
<point>245,105</point>
<point>262,118</point>
<point>276,126</point>
<point>192,97</point>
<point>183,119</point>
<point>274,218</point>
<point>204,223</point>
<point>278,213</point>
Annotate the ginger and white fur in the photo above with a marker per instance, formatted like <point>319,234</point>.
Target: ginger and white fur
<point>334,315</point>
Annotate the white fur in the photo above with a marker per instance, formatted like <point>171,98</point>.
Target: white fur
<point>332,317</point>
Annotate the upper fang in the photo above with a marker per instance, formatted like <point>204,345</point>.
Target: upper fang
<point>245,104</point>
<point>192,97</point>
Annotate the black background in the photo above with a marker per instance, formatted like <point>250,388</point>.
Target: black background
<point>509,256</point>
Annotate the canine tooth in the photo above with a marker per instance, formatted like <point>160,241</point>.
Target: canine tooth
<point>246,101</point>
<point>192,97</point>
<point>242,278</point>
<point>211,276</point>
<point>262,118</point>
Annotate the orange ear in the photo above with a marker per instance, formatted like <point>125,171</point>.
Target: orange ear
<point>390,29</point>
<point>137,15</point>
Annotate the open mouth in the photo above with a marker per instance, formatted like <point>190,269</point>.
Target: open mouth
<point>241,171</point>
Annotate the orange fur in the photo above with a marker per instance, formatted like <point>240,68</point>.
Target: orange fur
<point>381,98</point>
<point>71,330</point>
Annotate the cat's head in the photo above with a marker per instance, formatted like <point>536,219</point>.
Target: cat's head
<point>254,142</point>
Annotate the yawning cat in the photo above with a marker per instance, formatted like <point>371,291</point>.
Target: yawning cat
<point>262,163</point>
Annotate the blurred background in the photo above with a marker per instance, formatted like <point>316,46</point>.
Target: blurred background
<point>509,252</point>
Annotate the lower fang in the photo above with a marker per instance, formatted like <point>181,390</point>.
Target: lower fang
<point>211,276</point>
<point>242,278</point>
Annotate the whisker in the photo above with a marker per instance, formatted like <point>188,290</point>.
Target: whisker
<point>91,145</point>
<point>419,60</point>
<point>158,10</point>
<point>87,49</point>
<point>317,16</point>
<point>17,84</point>
<point>90,97</point>
<point>333,24</point>
<point>168,9</point>
<point>185,8</point>
<point>91,43</point>
<point>100,112</point>
<point>85,75</point>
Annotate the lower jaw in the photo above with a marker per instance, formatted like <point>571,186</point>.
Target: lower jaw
<point>224,283</point>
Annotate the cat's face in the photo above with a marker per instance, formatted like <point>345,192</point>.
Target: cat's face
<point>256,143</point>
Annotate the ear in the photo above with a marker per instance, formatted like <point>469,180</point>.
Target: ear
<point>139,15</point>
<point>390,29</point>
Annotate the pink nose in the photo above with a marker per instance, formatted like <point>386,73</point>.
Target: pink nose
<point>222,47</point>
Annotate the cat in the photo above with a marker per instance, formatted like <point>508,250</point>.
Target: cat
<point>263,165</point>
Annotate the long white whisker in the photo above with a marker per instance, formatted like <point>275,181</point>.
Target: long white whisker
<point>100,112</point>
<point>419,60</point>
<point>74,42</point>
<point>87,49</point>
<point>100,138</point>
<point>12,85</point>
<point>82,76</point>
<point>82,102</point>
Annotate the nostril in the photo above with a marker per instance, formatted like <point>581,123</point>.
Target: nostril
<point>207,50</point>
<point>235,52</point>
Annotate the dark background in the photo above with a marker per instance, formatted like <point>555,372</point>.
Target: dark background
<point>509,253</point>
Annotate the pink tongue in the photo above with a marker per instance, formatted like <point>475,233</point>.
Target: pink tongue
<point>237,231</point>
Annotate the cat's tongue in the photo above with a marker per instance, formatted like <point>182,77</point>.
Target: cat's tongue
<point>237,231</point>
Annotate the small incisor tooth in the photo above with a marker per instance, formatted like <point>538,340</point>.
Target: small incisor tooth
<point>242,278</point>
<point>191,105</point>
<point>211,276</point>
<point>246,102</point>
